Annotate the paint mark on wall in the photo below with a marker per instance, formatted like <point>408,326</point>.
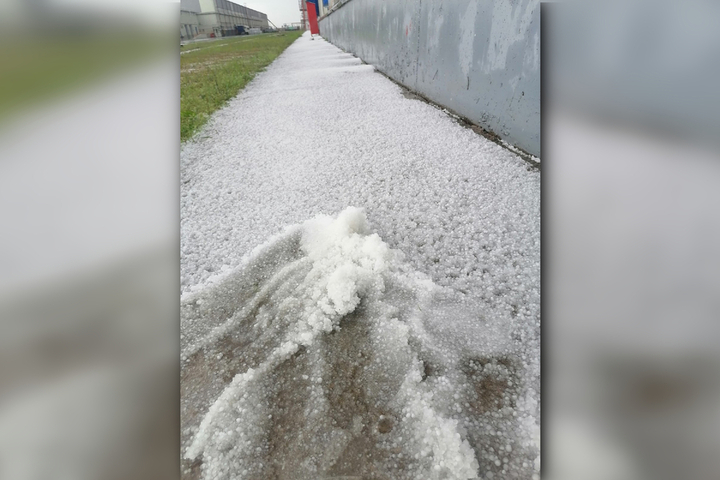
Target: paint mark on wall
<point>435,23</point>
<point>531,60</point>
<point>509,25</point>
<point>466,45</point>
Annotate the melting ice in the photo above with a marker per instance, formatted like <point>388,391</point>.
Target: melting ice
<point>324,354</point>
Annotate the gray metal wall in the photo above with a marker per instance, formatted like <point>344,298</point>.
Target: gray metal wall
<point>480,58</point>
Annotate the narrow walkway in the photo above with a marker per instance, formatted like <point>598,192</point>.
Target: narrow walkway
<point>316,133</point>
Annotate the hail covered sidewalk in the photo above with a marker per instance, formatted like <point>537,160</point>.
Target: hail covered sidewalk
<point>361,285</point>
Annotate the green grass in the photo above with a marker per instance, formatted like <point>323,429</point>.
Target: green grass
<point>211,73</point>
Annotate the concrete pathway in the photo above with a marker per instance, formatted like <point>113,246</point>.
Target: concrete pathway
<point>316,133</point>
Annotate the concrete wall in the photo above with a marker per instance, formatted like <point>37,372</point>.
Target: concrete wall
<point>189,25</point>
<point>480,58</point>
<point>190,5</point>
<point>207,5</point>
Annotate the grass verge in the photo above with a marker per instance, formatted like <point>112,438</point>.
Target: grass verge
<point>211,73</point>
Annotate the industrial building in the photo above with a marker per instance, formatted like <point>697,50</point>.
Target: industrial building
<point>205,18</point>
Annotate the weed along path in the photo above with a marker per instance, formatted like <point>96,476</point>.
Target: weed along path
<point>360,285</point>
<point>211,73</point>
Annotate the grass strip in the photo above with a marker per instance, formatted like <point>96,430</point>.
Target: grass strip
<point>211,73</point>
